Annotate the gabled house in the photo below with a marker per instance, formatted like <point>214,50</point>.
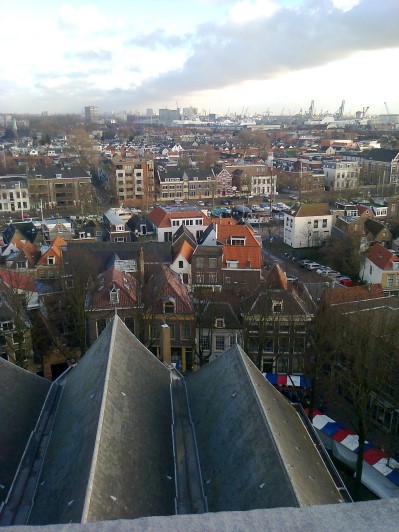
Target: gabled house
<point>53,227</point>
<point>275,327</point>
<point>115,227</point>
<point>140,225</point>
<point>49,264</point>
<point>117,292</point>
<point>381,266</point>
<point>217,329</point>
<point>167,220</point>
<point>308,225</point>
<point>181,260</point>
<point>167,301</point>
<point>365,212</point>
<point>377,232</point>
<point>242,255</point>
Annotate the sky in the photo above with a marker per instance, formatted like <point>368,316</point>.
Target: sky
<point>222,56</point>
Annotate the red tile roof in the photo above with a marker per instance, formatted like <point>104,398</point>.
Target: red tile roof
<point>123,281</point>
<point>382,257</point>
<point>276,278</point>
<point>354,293</point>
<point>249,256</point>
<point>161,218</point>
<point>17,281</point>
<point>187,250</point>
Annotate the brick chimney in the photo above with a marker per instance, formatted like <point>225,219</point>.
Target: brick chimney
<point>166,351</point>
<point>141,267</point>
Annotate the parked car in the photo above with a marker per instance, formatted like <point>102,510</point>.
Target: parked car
<point>200,203</point>
<point>303,262</point>
<point>291,278</point>
<point>324,270</point>
<point>293,196</point>
<point>334,274</point>
<point>345,281</point>
<point>312,266</point>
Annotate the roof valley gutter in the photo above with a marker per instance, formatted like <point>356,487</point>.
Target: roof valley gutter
<point>89,489</point>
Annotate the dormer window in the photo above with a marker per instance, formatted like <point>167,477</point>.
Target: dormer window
<point>114,295</point>
<point>277,306</point>
<point>50,261</point>
<point>237,241</point>
<point>169,307</point>
<point>219,323</point>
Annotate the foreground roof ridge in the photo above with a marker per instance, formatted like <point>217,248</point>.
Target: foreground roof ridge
<point>89,489</point>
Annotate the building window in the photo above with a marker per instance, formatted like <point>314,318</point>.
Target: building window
<point>205,344</point>
<point>213,262</point>
<point>114,295</point>
<point>282,365</point>
<point>325,223</point>
<point>219,343</point>
<point>50,261</point>
<point>172,331</point>
<point>277,307</point>
<point>316,224</point>
<point>154,331</point>
<point>6,325</point>
<point>100,325</point>
<point>232,264</point>
<point>181,265</point>
<point>213,278</point>
<point>200,263</point>
<point>390,280</point>
<point>219,323</point>
<point>186,331</point>
<point>169,307</point>
<point>129,322</point>
<point>200,277</point>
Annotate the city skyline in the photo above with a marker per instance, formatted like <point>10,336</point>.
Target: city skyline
<point>222,56</point>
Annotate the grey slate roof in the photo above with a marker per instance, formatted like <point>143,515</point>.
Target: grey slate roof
<point>21,398</point>
<point>110,454</point>
<point>253,447</point>
<point>154,252</point>
<point>67,172</point>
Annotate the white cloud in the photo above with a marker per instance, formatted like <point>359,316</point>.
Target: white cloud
<point>246,10</point>
<point>345,5</point>
<point>84,18</point>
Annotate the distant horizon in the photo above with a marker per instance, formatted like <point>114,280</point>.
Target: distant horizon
<point>105,113</point>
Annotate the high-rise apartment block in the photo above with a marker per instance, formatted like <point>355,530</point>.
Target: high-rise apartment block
<point>134,181</point>
<point>91,114</point>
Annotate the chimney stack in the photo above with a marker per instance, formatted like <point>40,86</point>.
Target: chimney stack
<point>141,267</point>
<point>166,351</point>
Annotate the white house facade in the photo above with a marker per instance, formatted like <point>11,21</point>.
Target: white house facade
<point>14,196</point>
<point>308,225</point>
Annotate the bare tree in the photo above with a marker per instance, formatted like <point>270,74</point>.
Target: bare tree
<point>363,356</point>
<point>79,281</point>
<point>17,293</point>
